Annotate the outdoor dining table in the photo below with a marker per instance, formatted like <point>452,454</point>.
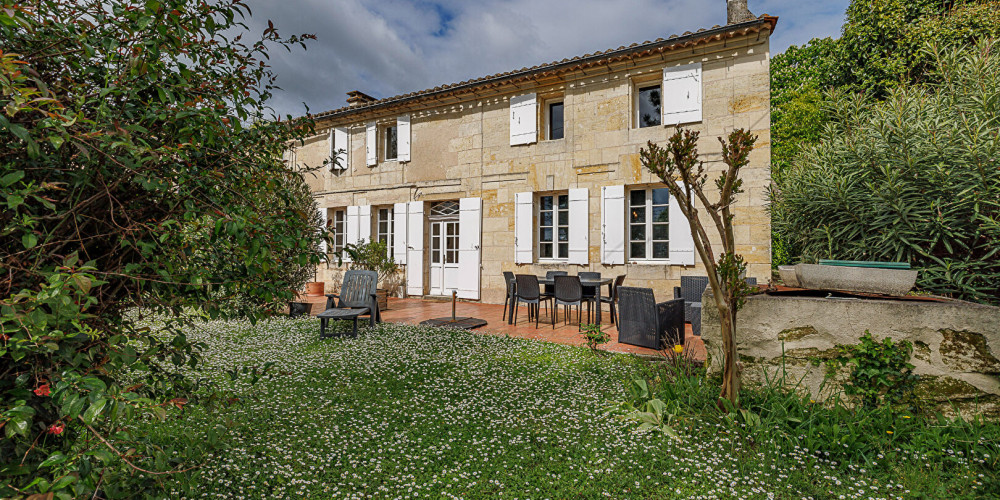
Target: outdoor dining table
<point>585,283</point>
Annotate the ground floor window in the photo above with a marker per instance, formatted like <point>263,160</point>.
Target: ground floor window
<point>648,214</point>
<point>553,226</point>
<point>385,228</point>
<point>337,229</point>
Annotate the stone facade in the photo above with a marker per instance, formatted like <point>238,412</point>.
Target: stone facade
<point>955,344</point>
<point>461,148</point>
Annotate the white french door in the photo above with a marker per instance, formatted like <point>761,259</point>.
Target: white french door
<point>444,257</point>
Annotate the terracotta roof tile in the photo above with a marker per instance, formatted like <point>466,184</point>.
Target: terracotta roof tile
<point>716,33</point>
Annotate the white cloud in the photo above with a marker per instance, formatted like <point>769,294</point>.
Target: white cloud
<point>390,47</point>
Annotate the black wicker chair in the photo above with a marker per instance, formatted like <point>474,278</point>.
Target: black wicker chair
<point>550,290</point>
<point>508,279</point>
<point>527,292</point>
<point>645,323</point>
<point>356,298</point>
<point>691,290</point>
<point>612,300</point>
<point>590,293</point>
<point>569,293</point>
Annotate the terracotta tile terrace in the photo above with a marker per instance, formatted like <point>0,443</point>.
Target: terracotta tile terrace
<point>413,311</point>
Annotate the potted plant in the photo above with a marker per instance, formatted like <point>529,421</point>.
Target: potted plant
<point>373,256</point>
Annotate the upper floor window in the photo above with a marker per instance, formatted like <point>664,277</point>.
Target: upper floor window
<point>648,224</point>
<point>391,140</point>
<point>647,106</point>
<point>385,228</point>
<point>555,121</point>
<point>553,227</point>
<point>337,229</point>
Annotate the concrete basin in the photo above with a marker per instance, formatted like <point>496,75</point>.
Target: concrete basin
<point>856,279</point>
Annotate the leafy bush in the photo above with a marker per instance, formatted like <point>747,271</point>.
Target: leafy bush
<point>881,372</point>
<point>374,256</point>
<point>914,178</point>
<point>595,337</point>
<point>131,180</point>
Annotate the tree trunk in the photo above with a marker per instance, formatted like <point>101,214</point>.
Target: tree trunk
<point>731,368</point>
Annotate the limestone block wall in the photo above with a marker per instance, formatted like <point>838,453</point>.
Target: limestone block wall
<point>463,149</point>
<point>956,344</point>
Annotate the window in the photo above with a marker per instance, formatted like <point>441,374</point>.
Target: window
<point>555,121</point>
<point>648,225</point>
<point>391,135</point>
<point>384,228</point>
<point>337,230</point>
<point>647,106</point>
<point>553,227</point>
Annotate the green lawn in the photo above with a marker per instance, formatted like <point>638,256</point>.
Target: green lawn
<point>405,412</point>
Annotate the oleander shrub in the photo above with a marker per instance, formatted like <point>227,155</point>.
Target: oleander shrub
<point>914,178</point>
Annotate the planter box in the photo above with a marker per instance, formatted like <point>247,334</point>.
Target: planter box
<point>383,299</point>
<point>315,288</point>
<point>788,275</point>
<point>856,279</point>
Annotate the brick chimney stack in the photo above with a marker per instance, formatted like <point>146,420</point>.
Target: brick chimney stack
<point>357,98</point>
<point>738,12</point>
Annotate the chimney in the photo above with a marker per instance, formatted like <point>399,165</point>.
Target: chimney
<point>738,12</point>
<point>358,98</point>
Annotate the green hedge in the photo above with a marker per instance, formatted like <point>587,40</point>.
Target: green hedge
<point>913,178</point>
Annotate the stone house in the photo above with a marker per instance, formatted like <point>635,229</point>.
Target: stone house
<point>538,168</point>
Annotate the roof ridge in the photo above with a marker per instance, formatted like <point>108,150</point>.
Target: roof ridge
<point>740,28</point>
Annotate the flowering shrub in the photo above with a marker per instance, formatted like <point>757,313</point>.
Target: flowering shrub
<point>129,181</point>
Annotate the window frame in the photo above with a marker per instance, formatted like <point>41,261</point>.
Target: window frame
<point>548,118</point>
<point>648,225</point>
<point>385,141</point>
<point>639,86</point>
<point>337,218</point>
<point>556,243</point>
<point>390,225</point>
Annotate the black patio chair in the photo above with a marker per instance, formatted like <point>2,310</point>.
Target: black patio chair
<point>569,293</point>
<point>508,280</point>
<point>612,300</point>
<point>691,290</point>
<point>356,298</point>
<point>590,293</point>
<point>645,323</point>
<point>550,290</point>
<point>527,292</point>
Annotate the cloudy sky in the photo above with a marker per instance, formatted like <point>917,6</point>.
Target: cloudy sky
<point>390,47</point>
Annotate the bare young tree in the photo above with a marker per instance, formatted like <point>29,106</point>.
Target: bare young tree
<point>679,167</point>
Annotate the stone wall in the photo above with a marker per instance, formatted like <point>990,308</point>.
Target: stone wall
<point>463,150</point>
<point>955,343</point>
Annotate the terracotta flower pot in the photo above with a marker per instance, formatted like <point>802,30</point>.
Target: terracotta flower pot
<point>315,288</point>
<point>383,298</point>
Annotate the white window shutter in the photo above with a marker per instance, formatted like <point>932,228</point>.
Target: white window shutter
<point>341,147</point>
<point>365,223</point>
<point>681,241</point>
<point>371,147</point>
<point>399,235</point>
<point>352,225</point>
<point>415,248</point>
<point>523,227</point>
<point>613,225</point>
<point>579,226</point>
<point>523,119</point>
<point>403,138</point>
<point>681,94</point>
<point>470,224</point>
<point>322,225</point>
